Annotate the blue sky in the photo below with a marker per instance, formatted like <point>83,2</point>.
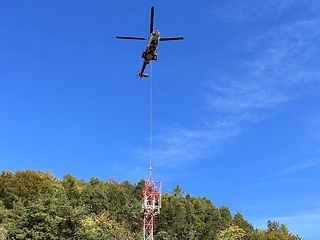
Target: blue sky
<point>236,105</point>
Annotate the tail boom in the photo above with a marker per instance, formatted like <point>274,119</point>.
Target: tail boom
<point>141,74</point>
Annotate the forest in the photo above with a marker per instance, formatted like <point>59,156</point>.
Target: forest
<point>36,205</point>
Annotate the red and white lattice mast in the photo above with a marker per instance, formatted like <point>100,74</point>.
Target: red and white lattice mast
<point>151,197</point>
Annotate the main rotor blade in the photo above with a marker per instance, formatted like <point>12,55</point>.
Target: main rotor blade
<point>131,38</point>
<point>151,19</point>
<point>171,38</point>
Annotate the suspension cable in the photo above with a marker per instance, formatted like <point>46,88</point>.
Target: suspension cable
<point>150,121</point>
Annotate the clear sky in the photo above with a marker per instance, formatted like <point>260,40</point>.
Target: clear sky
<point>236,105</point>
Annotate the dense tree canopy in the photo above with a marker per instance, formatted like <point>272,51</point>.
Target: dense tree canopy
<point>35,205</point>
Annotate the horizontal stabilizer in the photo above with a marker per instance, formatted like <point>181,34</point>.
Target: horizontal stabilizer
<point>143,75</point>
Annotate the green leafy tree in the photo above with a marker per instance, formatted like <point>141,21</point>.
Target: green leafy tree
<point>162,235</point>
<point>3,233</point>
<point>101,227</point>
<point>225,214</point>
<point>35,205</point>
<point>233,232</point>
<point>276,231</point>
<point>238,220</point>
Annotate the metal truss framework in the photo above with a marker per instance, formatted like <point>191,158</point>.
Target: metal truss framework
<point>151,197</point>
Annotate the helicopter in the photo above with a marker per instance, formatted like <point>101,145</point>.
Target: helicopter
<point>150,54</point>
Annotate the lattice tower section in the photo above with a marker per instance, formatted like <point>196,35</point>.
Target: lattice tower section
<point>151,197</point>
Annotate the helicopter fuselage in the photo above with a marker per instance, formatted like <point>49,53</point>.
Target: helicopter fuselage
<point>151,52</point>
